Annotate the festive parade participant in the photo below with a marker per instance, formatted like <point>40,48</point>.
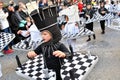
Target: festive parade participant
<point>71,28</point>
<point>88,14</point>
<point>53,51</point>
<point>102,10</point>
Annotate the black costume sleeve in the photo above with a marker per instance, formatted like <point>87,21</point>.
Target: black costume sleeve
<point>100,11</point>
<point>91,12</point>
<point>38,50</point>
<point>64,49</point>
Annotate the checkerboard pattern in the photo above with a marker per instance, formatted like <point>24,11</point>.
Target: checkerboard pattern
<point>79,66</point>
<point>22,46</point>
<point>82,32</point>
<point>33,70</point>
<point>5,39</point>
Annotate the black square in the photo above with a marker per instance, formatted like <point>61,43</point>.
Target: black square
<point>30,71</point>
<point>38,74</point>
<point>77,75</point>
<point>83,67</point>
<point>89,61</point>
<point>30,75</point>
<point>80,63</point>
<point>65,73</point>
<point>64,67</point>
<point>72,65</point>
<point>78,59</point>
<point>31,66</point>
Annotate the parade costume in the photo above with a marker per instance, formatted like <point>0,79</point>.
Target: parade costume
<point>71,28</point>
<point>49,47</point>
<point>102,22</point>
<point>89,26</point>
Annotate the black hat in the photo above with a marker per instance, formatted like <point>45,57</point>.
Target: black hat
<point>55,31</point>
<point>88,2</point>
<point>48,22</point>
<point>102,1</point>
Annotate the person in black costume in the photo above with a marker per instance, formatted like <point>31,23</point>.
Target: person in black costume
<point>88,14</point>
<point>54,51</point>
<point>102,10</point>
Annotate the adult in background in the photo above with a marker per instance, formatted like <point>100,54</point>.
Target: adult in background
<point>5,26</point>
<point>80,5</point>
<point>14,22</point>
<point>22,10</point>
<point>42,3</point>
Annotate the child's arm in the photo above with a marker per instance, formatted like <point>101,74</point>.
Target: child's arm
<point>62,52</point>
<point>31,54</point>
<point>34,53</point>
<point>59,54</point>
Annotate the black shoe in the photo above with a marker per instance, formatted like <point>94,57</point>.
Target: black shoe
<point>89,39</point>
<point>94,37</point>
<point>103,32</point>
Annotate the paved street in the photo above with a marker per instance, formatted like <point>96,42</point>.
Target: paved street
<point>106,47</point>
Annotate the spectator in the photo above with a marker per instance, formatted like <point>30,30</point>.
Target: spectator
<point>12,3</point>
<point>14,23</point>
<point>42,3</point>
<point>80,5</point>
<point>22,10</point>
<point>59,5</point>
<point>5,26</point>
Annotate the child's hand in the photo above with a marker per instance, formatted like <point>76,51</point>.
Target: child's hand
<point>59,54</point>
<point>19,32</point>
<point>31,54</point>
<point>27,33</point>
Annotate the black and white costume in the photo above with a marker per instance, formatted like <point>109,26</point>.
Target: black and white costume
<point>102,22</point>
<point>89,26</point>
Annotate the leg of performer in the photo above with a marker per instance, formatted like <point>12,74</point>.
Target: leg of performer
<point>6,49</point>
<point>102,23</point>
<point>74,45</point>
<point>94,37</point>
<point>89,39</point>
<point>58,74</point>
<point>90,27</point>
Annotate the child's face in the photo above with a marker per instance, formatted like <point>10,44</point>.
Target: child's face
<point>88,6</point>
<point>28,19</point>
<point>102,4</point>
<point>46,36</point>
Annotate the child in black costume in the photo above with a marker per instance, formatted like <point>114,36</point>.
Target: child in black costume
<point>54,50</point>
<point>102,10</point>
<point>88,14</point>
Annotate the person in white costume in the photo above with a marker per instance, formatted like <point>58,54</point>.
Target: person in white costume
<point>71,28</point>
